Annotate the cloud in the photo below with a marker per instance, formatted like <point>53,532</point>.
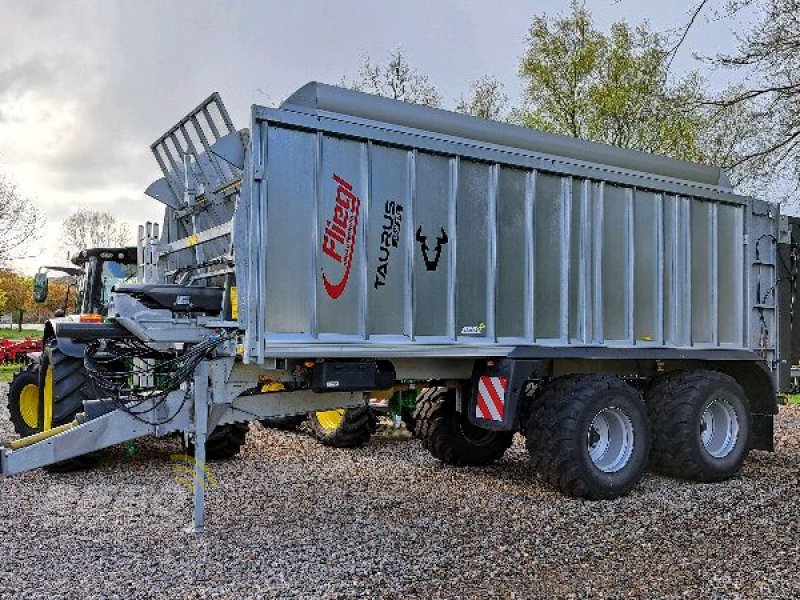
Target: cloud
<point>86,85</point>
<point>19,78</point>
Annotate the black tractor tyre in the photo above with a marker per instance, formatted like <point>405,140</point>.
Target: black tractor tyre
<point>355,428</point>
<point>225,441</point>
<point>677,403</point>
<point>288,423</point>
<point>24,382</point>
<point>450,437</point>
<point>70,385</point>
<point>562,435</point>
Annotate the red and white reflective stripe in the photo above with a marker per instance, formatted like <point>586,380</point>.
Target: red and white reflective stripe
<point>491,404</point>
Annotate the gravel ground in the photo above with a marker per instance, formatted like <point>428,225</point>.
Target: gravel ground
<point>291,518</point>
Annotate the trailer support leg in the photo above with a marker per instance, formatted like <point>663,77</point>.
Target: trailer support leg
<point>200,393</point>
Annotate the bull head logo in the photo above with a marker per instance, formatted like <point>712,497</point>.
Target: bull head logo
<point>441,240</point>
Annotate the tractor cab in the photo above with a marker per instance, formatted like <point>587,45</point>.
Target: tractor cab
<point>97,270</point>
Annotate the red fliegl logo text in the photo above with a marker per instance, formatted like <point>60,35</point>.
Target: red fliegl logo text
<point>339,239</point>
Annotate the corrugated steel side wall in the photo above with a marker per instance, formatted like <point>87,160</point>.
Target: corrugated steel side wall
<point>475,250</point>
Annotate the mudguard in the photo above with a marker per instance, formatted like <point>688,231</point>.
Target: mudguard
<point>497,388</point>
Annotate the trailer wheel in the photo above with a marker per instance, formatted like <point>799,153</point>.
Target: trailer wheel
<point>289,423</point>
<point>588,436</point>
<point>343,428</point>
<point>450,437</point>
<point>23,400</point>
<point>224,442</point>
<point>701,425</point>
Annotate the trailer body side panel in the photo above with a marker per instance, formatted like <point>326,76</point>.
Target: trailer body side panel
<point>370,239</point>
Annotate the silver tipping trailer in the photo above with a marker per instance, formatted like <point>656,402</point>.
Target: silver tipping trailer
<point>371,238</point>
<point>582,295</point>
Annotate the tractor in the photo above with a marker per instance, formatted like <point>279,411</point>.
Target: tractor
<point>38,401</point>
<point>52,388</point>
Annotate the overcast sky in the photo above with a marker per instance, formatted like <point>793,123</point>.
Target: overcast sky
<point>85,87</point>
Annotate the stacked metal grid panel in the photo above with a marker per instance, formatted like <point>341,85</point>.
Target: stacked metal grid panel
<point>200,199</point>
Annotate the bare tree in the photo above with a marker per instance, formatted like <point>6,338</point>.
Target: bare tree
<point>486,99</point>
<point>88,228</point>
<point>20,219</point>
<point>768,58</point>
<point>396,79</point>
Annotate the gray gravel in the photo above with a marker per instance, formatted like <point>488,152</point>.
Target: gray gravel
<point>291,518</point>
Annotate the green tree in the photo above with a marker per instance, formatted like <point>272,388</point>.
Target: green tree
<point>17,294</point>
<point>614,88</point>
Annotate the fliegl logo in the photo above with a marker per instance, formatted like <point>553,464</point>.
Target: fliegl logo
<point>339,239</point>
<point>190,473</point>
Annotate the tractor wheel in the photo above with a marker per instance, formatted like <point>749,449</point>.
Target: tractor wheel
<point>289,423</point>
<point>343,428</point>
<point>224,442</point>
<point>23,400</point>
<point>701,425</point>
<point>63,386</point>
<point>588,436</point>
<point>449,436</point>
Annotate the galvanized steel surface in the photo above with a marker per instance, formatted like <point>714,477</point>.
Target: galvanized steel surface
<point>368,238</point>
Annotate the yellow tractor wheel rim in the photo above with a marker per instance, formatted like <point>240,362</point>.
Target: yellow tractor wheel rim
<point>29,405</point>
<point>48,398</point>
<point>330,420</point>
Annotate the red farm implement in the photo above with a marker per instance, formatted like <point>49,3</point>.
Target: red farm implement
<point>16,351</point>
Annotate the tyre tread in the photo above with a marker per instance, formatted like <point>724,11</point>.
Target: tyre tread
<point>553,441</point>
<point>671,401</point>
<point>435,415</point>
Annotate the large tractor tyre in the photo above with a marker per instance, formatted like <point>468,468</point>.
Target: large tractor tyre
<point>701,425</point>
<point>343,428</point>
<point>23,400</point>
<point>450,437</point>
<point>289,423</point>
<point>63,385</point>
<point>588,436</point>
<point>425,396</point>
<point>225,441</point>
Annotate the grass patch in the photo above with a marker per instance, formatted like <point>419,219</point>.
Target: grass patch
<point>792,398</point>
<point>14,334</point>
<point>7,372</point>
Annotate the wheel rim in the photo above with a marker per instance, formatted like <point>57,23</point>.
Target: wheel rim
<point>610,440</point>
<point>330,420</point>
<point>29,405</point>
<point>719,428</point>
<point>48,398</point>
